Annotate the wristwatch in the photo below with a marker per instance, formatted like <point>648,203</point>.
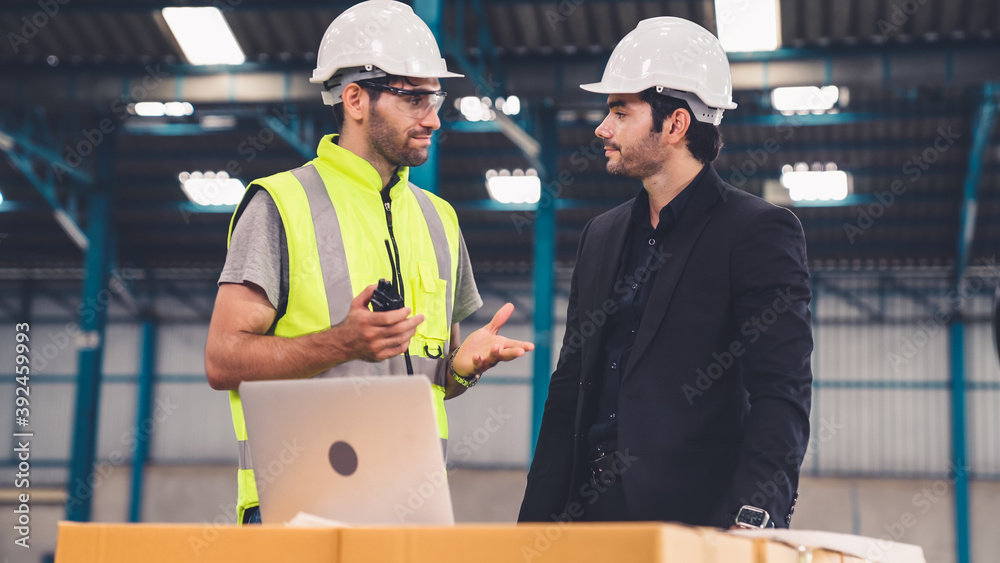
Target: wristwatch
<point>461,379</point>
<point>752,517</point>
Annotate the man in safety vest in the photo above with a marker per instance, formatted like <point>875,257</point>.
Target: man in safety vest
<point>307,246</point>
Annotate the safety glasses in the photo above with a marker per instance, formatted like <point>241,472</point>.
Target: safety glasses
<point>412,103</point>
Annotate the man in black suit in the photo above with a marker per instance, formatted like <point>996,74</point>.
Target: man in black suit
<point>683,386</point>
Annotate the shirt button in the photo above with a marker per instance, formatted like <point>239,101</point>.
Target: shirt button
<point>633,330</point>
<point>612,416</point>
<point>614,365</point>
<point>635,285</point>
<point>652,241</point>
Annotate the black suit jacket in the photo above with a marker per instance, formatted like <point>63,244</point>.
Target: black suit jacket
<point>713,407</point>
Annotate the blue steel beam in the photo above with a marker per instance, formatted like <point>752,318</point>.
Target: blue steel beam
<point>489,82</point>
<point>143,417</point>
<point>47,155</point>
<point>485,39</point>
<point>290,133</point>
<point>93,320</point>
<point>21,148</point>
<point>426,175</point>
<point>982,123</point>
<point>544,269</point>
<point>959,469</point>
<point>46,188</point>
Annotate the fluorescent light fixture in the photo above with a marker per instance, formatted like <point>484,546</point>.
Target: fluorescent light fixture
<point>476,109</point>
<point>149,109</point>
<point>204,36</point>
<point>482,109</point>
<point>1,198</point>
<point>211,188</point>
<point>509,106</point>
<point>178,109</point>
<point>805,98</point>
<point>159,109</point>
<point>748,25</point>
<point>819,183</point>
<point>516,187</point>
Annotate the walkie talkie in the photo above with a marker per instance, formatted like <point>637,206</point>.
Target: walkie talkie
<point>386,297</point>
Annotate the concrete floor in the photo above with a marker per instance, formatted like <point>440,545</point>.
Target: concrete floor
<point>911,511</point>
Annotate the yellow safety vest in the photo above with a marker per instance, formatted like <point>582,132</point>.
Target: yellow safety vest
<point>336,227</point>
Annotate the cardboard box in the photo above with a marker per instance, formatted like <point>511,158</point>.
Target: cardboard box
<point>168,543</point>
<point>528,543</point>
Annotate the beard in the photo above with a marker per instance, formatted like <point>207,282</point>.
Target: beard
<point>639,161</point>
<point>393,145</point>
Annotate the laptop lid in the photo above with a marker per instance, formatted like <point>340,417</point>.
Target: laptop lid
<point>357,450</point>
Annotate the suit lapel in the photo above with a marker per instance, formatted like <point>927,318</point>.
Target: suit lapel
<point>675,256</point>
<point>611,240</point>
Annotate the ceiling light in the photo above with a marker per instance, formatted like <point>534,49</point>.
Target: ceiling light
<point>178,109</point>
<point>149,109</point>
<point>159,109</point>
<point>748,25</point>
<point>821,183</point>
<point>509,106</point>
<point>211,188</point>
<point>204,36</point>
<point>476,109</point>
<point>805,98</point>
<point>517,187</point>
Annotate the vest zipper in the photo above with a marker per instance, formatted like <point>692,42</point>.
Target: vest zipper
<point>397,274</point>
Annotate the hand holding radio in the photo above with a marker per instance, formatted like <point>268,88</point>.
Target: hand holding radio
<point>379,335</point>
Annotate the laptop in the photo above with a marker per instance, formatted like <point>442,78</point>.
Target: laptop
<point>355,450</point>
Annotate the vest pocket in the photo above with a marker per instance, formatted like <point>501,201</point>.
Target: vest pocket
<point>429,297</point>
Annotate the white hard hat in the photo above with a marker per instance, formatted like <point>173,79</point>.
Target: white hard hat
<point>372,39</point>
<point>677,57</point>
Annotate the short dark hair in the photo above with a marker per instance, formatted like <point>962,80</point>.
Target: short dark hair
<point>703,139</point>
<point>373,94</point>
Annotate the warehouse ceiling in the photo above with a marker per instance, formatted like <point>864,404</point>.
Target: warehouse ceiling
<point>916,72</point>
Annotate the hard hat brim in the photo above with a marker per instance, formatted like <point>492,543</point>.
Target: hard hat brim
<point>600,88</point>
<point>444,74</point>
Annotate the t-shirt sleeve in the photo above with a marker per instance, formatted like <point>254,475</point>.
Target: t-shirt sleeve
<point>258,249</point>
<point>467,299</point>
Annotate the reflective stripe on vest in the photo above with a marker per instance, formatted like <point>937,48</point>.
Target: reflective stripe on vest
<point>336,281</point>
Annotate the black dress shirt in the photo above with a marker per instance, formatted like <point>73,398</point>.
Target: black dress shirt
<point>642,258</point>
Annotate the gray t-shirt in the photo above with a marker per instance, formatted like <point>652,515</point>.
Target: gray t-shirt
<point>254,257</point>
